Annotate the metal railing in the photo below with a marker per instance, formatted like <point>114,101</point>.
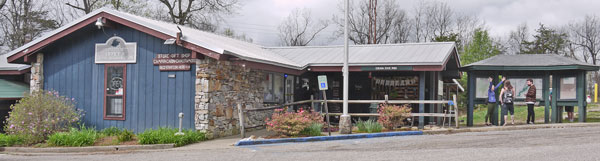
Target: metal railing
<point>452,107</point>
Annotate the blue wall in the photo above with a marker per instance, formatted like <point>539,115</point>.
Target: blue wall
<point>152,99</point>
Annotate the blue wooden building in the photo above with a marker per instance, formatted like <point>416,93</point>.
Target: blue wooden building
<point>136,73</point>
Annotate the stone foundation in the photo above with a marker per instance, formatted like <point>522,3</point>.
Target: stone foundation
<point>220,86</point>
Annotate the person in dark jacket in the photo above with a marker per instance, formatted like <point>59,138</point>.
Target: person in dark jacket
<point>492,100</point>
<point>530,101</point>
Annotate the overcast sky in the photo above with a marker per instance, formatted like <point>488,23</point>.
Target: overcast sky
<point>259,19</point>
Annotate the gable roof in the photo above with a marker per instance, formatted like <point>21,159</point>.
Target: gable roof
<point>217,46</point>
<point>436,53</point>
<point>529,62</point>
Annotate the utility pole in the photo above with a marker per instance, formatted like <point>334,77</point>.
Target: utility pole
<point>345,121</point>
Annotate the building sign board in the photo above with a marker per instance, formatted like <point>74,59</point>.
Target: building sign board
<point>322,82</point>
<point>116,50</point>
<point>387,68</point>
<point>174,62</point>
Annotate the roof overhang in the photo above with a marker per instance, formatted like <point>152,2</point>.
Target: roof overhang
<point>529,68</point>
<point>24,53</point>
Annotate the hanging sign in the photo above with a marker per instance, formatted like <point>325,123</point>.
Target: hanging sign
<point>387,68</point>
<point>174,62</point>
<point>322,82</point>
<point>116,50</point>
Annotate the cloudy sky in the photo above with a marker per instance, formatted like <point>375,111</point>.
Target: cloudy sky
<point>259,19</point>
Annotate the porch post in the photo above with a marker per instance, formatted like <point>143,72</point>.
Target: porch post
<point>471,93</point>
<point>421,97</point>
<point>581,96</point>
<point>555,90</point>
<point>546,96</point>
<point>36,81</point>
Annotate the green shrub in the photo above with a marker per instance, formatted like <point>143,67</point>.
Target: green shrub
<point>167,136</point>
<point>75,137</point>
<point>41,114</point>
<point>391,116</point>
<point>111,131</point>
<point>126,135</point>
<point>10,140</point>
<point>312,130</point>
<point>369,126</point>
<point>291,123</point>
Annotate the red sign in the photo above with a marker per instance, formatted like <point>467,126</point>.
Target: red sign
<point>174,62</point>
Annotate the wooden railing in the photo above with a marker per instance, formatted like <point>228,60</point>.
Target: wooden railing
<point>444,115</point>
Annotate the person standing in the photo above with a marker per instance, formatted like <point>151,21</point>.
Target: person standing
<point>530,101</point>
<point>506,99</point>
<point>491,100</point>
<point>569,110</point>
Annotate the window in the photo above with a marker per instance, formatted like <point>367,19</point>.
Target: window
<point>114,93</point>
<point>273,88</point>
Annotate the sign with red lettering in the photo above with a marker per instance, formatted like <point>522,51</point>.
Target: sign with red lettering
<point>174,62</point>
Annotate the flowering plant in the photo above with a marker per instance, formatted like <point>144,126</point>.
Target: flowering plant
<point>41,114</point>
<point>292,123</point>
<point>391,116</point>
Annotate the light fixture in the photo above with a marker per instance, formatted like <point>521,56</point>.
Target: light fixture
<point>99,23</point>
<point>170,41</point>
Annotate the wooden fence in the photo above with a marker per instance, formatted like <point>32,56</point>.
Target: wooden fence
<point>453,106</point>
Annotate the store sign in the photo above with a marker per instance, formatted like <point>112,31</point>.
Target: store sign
<point>174,62</point>
<point>116,50</point>
<point>322,82</point>
<point>386,68</point>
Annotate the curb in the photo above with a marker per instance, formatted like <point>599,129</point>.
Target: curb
<point>507,128</point>
<point>114,148</point>
<point>327,138</point>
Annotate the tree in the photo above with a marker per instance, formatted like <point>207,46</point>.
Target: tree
<point>2,3</point>
<point>546,41</point>
<point>586,35</point>
<point>435,20</point>
<point>481,47</point>
<point>197,14</point>
<point>298,29</point>
<point>370,23</point>
<point>23,21</point>
<point>516,39</point>
<point>86,6</point>
<point>232,34</point>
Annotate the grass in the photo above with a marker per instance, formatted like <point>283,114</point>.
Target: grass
<point>369,126</point>
<point>521,114</point>
<point>312,130</point>
<point>74,138</point>
<point>167,136</point>
<point>11,140</point>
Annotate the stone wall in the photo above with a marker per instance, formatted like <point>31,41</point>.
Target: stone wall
<point>36,81</point>
<point>220,86</point>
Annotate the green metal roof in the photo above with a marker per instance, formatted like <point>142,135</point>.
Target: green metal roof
<point>530,62</point>
<point>12,89</point>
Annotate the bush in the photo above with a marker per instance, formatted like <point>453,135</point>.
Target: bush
<point>291,123</point>
<point>10,140</point>
<point>312,130</point>
<point>111,131</point>
<point>40,114</point>
<point>391,116</point>
<point>126,135</point>
<point>75,137</point>
<point>369,126</point>
<point>167,136</point>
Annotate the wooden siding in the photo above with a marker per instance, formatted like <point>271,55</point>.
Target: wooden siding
<point>153,99</point>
